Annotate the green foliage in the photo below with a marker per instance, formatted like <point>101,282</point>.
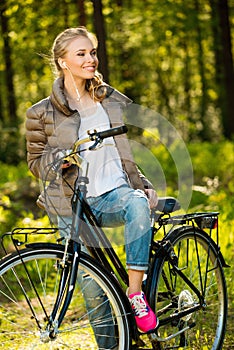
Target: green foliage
<point>154,52</point>
<point>216,160</point>
<point>212,163</point>
<point>18,190</point>
<point>213,184</point>
<point>11,173</point>
<point>164,63</point>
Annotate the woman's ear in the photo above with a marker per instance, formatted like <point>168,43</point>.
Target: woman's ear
<point>62,63</point>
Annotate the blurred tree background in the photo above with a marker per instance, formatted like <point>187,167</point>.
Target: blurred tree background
<point>168,55</point>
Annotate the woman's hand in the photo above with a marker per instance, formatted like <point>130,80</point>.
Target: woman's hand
<point>152,197</point>
<point>60,155</point>
<point>65,165</point>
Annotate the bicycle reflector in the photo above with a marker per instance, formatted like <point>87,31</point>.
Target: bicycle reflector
<point>210,222</point>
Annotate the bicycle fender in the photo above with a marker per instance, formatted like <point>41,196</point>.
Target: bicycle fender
<point>44,244</point>
<point>213,243</point>
<point>164,249</point>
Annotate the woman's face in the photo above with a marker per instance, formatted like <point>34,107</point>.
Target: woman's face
<point>81,58</point>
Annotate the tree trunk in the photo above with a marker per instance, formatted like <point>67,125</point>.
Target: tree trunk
<point>204,133</point>
<point>11,115</point>
<point>223,64</point>
<point>228,109</point>
<point>101,35</point>
<point>81,12</point>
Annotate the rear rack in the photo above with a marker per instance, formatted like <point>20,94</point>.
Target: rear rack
<point>24,232</point>
<point>202,220</point>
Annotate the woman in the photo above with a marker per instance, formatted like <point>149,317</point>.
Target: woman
<point>117,192</point>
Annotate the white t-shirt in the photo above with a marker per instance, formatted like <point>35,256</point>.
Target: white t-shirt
<point>105,169</point>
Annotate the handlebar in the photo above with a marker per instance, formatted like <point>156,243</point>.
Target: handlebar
<point>108,133</point>
<point>99,136</point>
<point>96,136</point>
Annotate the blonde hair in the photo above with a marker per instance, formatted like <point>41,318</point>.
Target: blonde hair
<point>95,86</point>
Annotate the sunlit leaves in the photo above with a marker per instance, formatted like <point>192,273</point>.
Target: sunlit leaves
<point>153,54</point>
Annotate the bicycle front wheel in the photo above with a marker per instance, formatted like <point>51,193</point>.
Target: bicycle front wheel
<point>96,317</point>
<point>204,327</point>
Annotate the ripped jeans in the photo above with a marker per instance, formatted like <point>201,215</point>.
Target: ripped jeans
<point>121,206</point>
<point>128,207</point>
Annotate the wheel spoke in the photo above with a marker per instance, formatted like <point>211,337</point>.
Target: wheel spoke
<point>96,317</point>
<point>198,261</point>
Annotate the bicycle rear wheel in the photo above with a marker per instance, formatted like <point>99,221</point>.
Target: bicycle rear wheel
<point>197,259</point>
<point>96,299</point>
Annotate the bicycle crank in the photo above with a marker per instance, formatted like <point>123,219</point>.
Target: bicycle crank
<point>155,337</point>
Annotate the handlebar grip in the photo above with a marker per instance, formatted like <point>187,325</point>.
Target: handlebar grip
<point>109,132</point>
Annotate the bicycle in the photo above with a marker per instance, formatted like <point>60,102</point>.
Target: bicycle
<point>42,299</point>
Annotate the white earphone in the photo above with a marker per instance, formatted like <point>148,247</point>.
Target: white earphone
<point>64,65</point>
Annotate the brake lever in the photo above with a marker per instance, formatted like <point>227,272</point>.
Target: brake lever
<point>98,140</point>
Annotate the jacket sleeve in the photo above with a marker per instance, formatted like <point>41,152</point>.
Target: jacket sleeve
<point>145,181</point>
<point>40,156</point>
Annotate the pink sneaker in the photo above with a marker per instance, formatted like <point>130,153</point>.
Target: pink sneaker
<point>146,319</point>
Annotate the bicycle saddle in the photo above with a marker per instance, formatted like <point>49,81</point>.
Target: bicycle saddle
<point>167,205</point>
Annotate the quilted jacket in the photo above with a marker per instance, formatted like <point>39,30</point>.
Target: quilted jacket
<point>51,127</point>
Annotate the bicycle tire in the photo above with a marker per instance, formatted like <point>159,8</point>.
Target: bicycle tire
<point>18,329</point>
<point>193,248</point>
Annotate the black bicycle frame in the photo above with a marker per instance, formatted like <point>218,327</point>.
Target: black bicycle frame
<point>95,240</point>
<point>164,249</point>
<point>70,269</point>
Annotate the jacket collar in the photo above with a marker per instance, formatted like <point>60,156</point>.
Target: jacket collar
<point>58,97</point>
<point>59,100</point>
